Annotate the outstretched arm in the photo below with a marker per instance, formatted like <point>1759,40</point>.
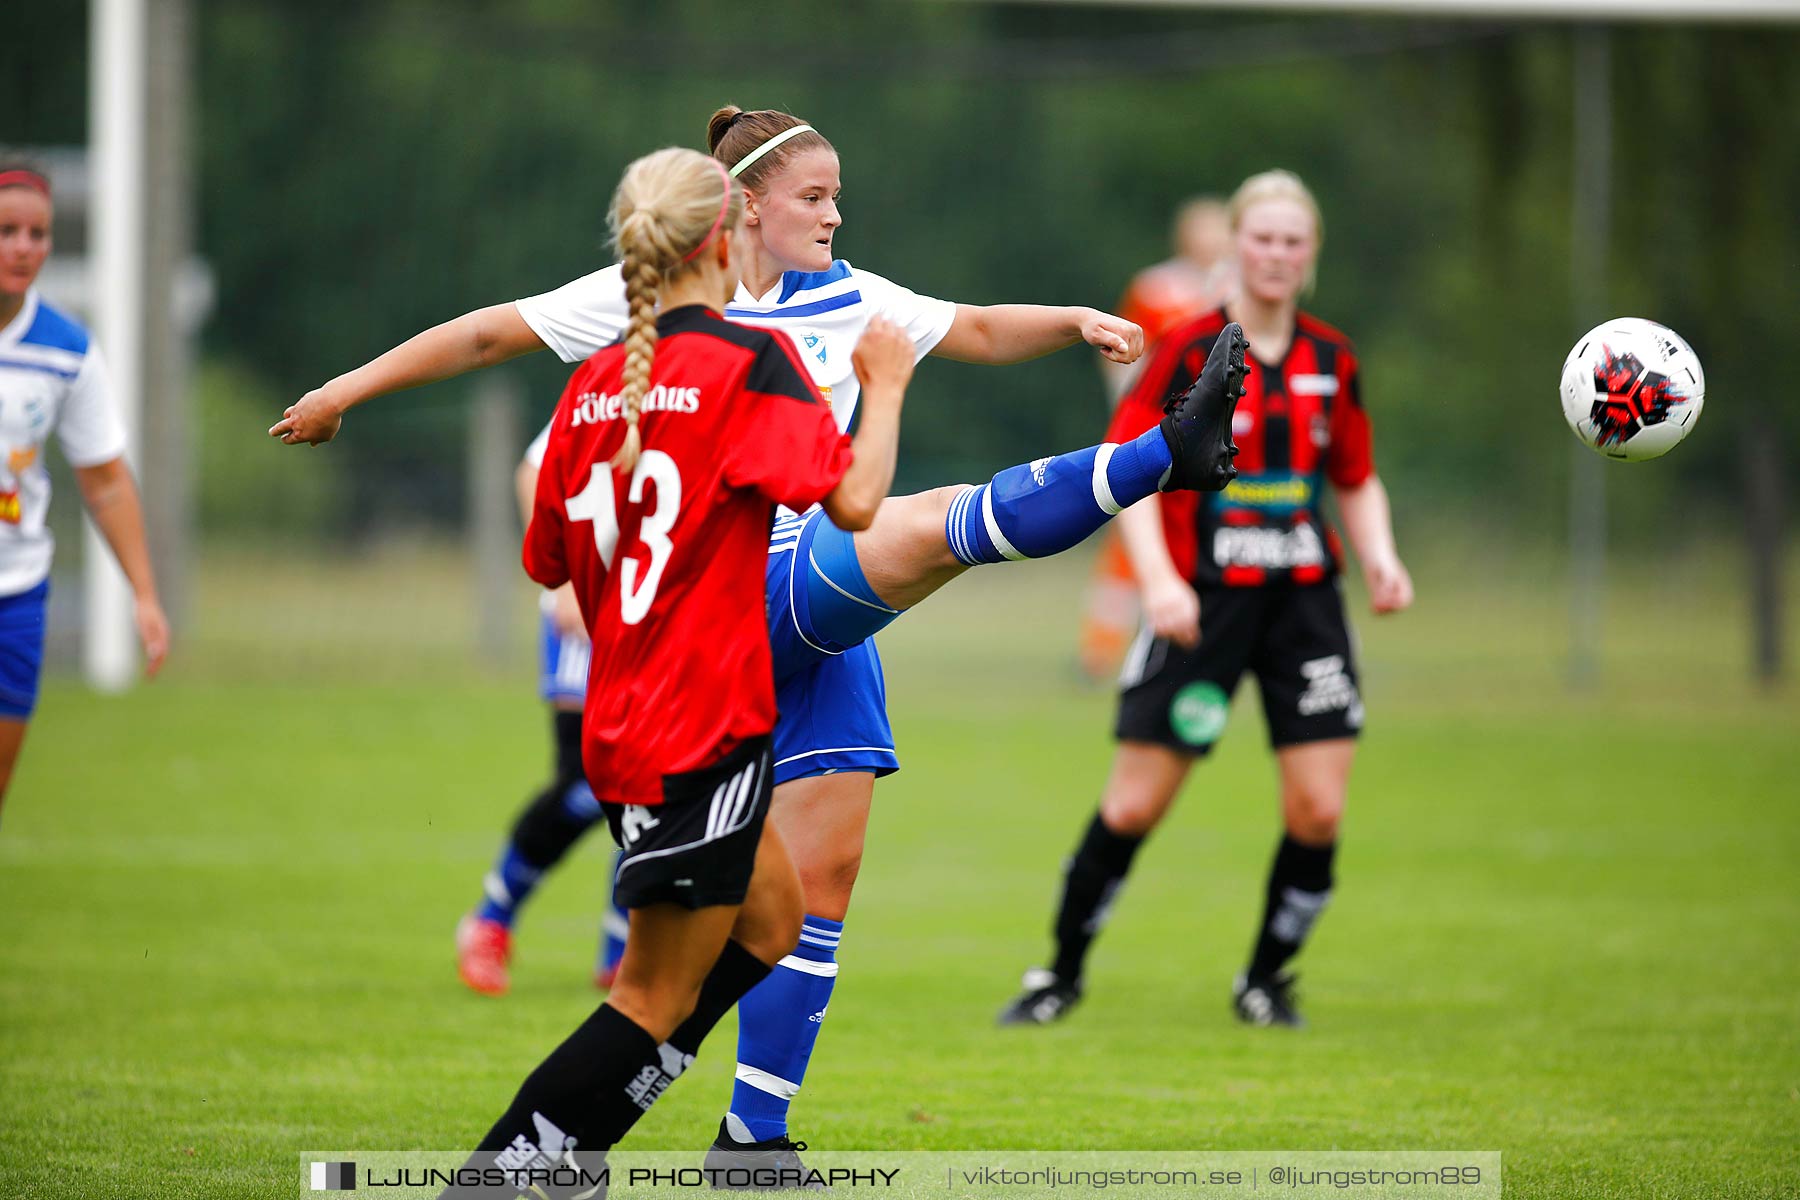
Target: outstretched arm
<point>477,339</point>
<point>111,497</point>
<point>1008,333</point>
<point>1369,524</point>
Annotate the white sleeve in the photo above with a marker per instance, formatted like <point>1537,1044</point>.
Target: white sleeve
<point>534,453</point>
<point>925,320</point>
<point>580,316</point>
<point>88,427</point>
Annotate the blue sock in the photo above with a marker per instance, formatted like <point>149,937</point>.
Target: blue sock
<point>507,886</point>
<point>778,1024</point>
<point>1045,507</point>
<point>515,876</point>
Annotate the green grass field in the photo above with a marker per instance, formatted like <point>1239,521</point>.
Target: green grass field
<point>1567,926</point>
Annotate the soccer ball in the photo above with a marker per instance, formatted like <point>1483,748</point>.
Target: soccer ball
<point>1631,389</point>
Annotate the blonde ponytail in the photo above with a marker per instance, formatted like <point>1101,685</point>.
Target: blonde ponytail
<point>669,206</point>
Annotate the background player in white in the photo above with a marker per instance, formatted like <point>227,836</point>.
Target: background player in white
<point>52,378</point>
<point>830,590</point>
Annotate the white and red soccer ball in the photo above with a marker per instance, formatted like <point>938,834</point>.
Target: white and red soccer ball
<point>1632,389</point>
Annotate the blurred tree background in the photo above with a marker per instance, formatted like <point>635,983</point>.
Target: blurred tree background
<point>367,169</point>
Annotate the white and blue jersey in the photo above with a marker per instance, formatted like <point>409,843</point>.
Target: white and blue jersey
<point>824,312</point>
<point>829,688</point>
<point>52,379</point>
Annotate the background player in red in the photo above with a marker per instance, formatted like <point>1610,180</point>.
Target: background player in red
<point>1197,278</point>
<point>667,455</point>
<point>1244,580</point>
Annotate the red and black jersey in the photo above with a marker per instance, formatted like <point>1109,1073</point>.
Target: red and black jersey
<point>1301,422</point>
<point>668,562</point>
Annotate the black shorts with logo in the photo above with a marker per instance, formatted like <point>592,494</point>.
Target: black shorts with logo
<point>698,847</point>
<point>1293,637</point>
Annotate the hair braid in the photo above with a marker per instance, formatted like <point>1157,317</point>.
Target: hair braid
<point>668,207</point>
<point>642,278</point>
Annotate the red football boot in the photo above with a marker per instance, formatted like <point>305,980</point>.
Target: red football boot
<point>483,948</point>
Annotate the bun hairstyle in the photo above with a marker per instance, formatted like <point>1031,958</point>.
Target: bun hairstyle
<point>669,207</point>
<point>733,135</point>
<point>1281,185</point>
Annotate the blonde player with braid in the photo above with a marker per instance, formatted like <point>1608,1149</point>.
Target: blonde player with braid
<point>667,455</point>
<point>830,589</point>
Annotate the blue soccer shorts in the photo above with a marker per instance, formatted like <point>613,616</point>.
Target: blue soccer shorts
<point>828,683</point>
<point>22,650</point>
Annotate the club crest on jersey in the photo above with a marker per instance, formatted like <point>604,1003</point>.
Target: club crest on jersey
<point>815,346</point>
<point>591,408</point>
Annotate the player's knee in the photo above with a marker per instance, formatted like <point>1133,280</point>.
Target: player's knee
<point>1132,813</point>
<point>774,934</point>
<point>828,880</point>
<point>1314,814</point>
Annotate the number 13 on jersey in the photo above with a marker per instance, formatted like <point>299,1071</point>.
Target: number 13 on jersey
<point>595,503</point>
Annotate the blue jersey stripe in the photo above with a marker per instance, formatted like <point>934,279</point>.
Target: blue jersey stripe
<point>51,328</point>
<point>20,365</point>
<point>801,281</point>
<point>800,310</point>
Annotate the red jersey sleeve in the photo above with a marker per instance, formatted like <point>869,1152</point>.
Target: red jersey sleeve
<point>1350,460</point>
<point>787,445</point>
<point>545,554</point>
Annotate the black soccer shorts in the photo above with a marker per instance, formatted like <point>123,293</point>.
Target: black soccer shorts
<point>1292,637</point>
<point>698,847</point>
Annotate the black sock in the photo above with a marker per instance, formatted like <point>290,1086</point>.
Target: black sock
<point>1091,881</point>
<point>547,829</point>
<point>582,1098</point>
<point>736,972</point>
<point>1299,886</point>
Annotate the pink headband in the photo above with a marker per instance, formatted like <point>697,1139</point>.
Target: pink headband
<point>718,221</point>
<point>25,178</point>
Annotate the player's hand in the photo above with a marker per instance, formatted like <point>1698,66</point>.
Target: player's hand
<point>1172,608</point>
<point>315,418</point>
<point>565,613</point>
<point>153,634</point>
<point>1119,340</point>
<point>1390,587</point>
<point>883,360</point>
